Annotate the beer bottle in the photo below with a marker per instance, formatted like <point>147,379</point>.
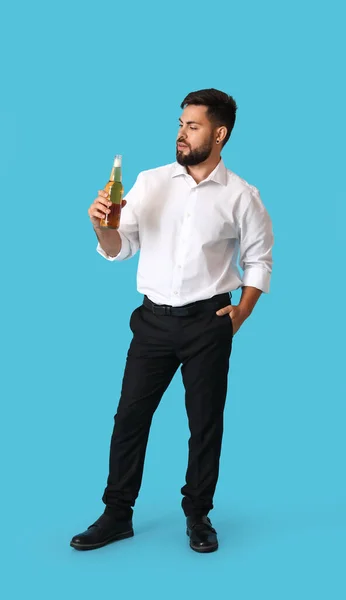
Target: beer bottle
<point>115,189</point>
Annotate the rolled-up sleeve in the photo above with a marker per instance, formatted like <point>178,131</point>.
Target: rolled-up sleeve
<point>129,223</point>
<point>255,244</point>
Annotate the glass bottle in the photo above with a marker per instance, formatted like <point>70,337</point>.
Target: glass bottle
<point>115,189</point>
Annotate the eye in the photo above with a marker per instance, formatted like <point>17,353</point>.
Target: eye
<point>194,128</point>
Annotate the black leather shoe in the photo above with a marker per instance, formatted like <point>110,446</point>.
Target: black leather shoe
<point>105,530</point>
<point>202,535</point>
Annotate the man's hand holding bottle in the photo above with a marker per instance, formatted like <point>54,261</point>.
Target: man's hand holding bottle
<point>100,208</point>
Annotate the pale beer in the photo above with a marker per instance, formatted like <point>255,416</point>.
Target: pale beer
<point>115,189</point>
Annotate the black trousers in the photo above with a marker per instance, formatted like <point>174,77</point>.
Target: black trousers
<point>201,344</point>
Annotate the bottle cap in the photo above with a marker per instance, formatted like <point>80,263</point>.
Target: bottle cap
<point>117,160</point>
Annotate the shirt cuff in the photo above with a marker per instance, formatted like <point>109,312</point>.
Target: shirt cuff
<point>125,251</point>
<point>258,278</point>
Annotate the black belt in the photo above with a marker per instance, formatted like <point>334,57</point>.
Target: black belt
<point>216,302</point>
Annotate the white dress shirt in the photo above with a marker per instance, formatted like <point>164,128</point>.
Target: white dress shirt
<point>189,235</point>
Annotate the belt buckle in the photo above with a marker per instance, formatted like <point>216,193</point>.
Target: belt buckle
<point>168,311</point>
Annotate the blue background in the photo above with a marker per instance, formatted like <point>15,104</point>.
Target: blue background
<point>82,82</point>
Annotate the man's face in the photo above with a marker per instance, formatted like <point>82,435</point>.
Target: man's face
<point>195,136</point>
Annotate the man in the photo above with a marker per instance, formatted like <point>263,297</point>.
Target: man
<point>190,220</point>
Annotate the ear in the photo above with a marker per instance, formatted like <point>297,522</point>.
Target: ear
<point>221,133</point>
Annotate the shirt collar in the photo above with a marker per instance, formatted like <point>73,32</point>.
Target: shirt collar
<point>219,174</point>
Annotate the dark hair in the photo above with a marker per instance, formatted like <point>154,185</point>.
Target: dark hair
<point>221,107</point>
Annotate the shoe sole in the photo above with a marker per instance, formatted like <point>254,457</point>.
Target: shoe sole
<point>201,549</point>
<point>114,538</point>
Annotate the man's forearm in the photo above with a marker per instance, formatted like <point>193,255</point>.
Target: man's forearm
<point>110,240</point>
<point>249,297</point>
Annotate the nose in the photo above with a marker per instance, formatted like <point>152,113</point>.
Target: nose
<point>182,137</point>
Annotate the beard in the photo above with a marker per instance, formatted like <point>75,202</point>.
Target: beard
<point>196,156</point>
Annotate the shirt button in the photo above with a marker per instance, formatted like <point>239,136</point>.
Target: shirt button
<point>175,293</point>
<point>188,215</point>
<point>179,266</point>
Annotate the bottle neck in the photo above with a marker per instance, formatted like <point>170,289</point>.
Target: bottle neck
<point>116,174</point>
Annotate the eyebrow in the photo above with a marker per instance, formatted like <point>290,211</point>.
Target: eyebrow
<point>190,122</point>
